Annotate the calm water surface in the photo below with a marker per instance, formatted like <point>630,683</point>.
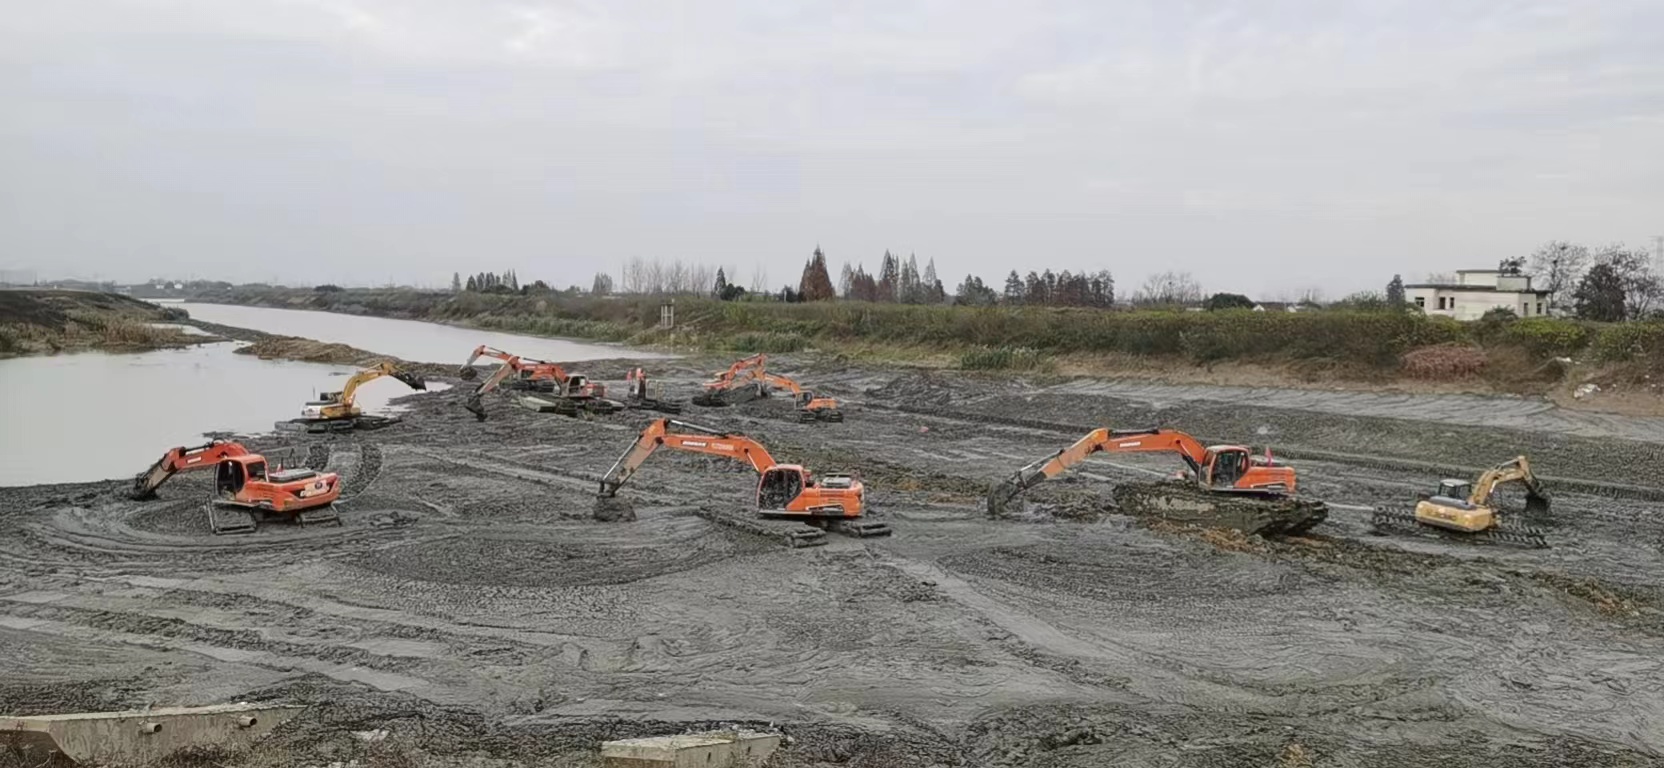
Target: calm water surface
<point>404,339</point>
<point>94,416</point>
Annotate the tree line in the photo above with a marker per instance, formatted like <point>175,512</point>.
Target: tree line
<point>1611,284</point>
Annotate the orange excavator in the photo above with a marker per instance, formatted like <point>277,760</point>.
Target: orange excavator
<point>741,383</point>
<point>574,393</point>
<point>749,379</point>
<point>833,501</point>
<point>245,486</point>
<point>531,375</point>
<point>1247,491</point>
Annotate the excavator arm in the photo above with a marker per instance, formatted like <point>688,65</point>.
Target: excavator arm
<point>1096,441</point>
<point>475,403</point>
<point>754,367</point>
<point>468,372</point>
<point>181,459</point>
<point>1515,470</point>
<point>776,380</point>
<point>377,371</point>
<point>683,436</point>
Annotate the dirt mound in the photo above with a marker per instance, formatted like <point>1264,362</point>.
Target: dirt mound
<point>310,351</point>
<point>922,388</point>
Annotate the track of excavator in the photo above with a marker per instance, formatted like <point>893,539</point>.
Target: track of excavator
<point>1386,521</point>
<point>1183,502</point>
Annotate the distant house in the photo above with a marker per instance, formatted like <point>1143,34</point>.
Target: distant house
<point>1277,306</point>
<point>1477,291</point>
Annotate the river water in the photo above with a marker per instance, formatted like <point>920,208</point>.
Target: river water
<point>94,416</point>
<point>404,339</point>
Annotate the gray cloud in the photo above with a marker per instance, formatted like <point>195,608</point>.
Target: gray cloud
<point>1266,146</point>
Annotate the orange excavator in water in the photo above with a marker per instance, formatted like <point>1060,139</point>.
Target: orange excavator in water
<point>834,501</point>
<point>749,379</point>
<point>245,486</point>
<point>1247,491</point>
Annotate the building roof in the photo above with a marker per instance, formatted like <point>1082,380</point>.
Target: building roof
<point>1478,271</point>
<point>1473,288</point>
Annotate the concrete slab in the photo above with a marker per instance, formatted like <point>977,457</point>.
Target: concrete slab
<point>710,749</point>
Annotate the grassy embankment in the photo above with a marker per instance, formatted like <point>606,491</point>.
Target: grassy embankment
<point>1331,347</point>
<point>44,322</point>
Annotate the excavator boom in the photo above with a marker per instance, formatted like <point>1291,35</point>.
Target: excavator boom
<point>182,459</point>
<point>1096,441</point>
<point>1515,470</point>
<point>686,437</point>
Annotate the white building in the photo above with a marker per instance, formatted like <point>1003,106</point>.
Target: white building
<point>1477,291</point>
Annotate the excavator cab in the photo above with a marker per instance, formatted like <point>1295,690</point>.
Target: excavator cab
<point>235,473</point>
<point>1454,490</point>
<point>780,486</point>
<point>1226,464</point>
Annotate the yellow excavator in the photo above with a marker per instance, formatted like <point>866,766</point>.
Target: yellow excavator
<point>337,411</point>
<point>1471,508</point>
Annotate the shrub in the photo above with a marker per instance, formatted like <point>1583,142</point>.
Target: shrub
<point>1546,336</point>
<point>1444,361</point>
<point>1630,342</point>
<point>1003,359</point>
<point>769,342</point>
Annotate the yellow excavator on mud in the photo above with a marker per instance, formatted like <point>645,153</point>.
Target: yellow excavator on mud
<point>1471,508</point>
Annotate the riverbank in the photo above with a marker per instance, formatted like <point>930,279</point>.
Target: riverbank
<point>1545,358</point>
<point>47,322</point>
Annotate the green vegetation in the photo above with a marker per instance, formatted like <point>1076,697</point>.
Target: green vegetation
<point>38,322</point>
<point>1004,359</point>
<point>1352,342</point>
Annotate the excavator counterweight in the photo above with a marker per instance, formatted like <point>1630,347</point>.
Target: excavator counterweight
<point>1224,486</point>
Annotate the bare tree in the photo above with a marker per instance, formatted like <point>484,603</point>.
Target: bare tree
<point>635,275</point>
<point>1642,290</point>
<point>700,278</point>
<point>1169,289</point>
<point>759,278</point>
<point>1557,266</point>
<point>654,283</point>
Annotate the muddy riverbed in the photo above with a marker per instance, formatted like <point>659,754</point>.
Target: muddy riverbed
<point>470,607</point>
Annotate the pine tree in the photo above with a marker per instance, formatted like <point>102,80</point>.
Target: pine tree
<point>1395,292</point>
<point>816,284</point>
<point>513,281</point>
<point>909,290</point>
<point>456,282</point>
<point>720,288</point>
<point>473,285</point>
<point>889,276</point>
<point>846,280</point>
<point>1014,289</point>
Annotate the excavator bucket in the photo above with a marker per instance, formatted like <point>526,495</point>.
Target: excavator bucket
<point>467,373</point>
<point>1536,503</point>
<point>475,405</point>
<point>412,380</point>
<point>1000,498</point>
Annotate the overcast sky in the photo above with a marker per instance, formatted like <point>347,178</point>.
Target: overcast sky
<point>1268,146</point>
